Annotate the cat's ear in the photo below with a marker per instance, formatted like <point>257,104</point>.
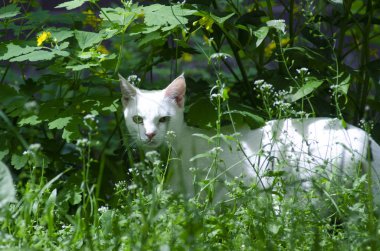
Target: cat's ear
<point>127,90</point>
<point>176,90</point>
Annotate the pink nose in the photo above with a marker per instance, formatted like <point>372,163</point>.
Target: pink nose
<point>150,135</point>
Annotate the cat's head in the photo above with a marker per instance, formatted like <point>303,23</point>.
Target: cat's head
<point>149,115</point>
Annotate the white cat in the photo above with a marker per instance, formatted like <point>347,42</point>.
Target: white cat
<point>307,149</point>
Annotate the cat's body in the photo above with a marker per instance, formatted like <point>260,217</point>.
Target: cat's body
<point>305,149</point>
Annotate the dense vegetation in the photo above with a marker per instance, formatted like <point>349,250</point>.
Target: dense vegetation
<point>78,182</point>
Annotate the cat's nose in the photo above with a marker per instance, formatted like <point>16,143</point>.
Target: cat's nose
<point>150,135</point>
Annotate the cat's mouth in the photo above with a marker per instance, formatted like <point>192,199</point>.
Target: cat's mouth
<point>152,143</point>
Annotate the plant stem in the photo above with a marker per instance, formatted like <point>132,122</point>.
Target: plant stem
<point>291,22</point>
<point>365,55</point>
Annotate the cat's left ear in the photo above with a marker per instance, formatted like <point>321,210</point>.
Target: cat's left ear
<point>176,90</point>
<point>127,90</point>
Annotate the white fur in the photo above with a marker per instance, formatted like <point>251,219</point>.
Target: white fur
<point>304,148</point>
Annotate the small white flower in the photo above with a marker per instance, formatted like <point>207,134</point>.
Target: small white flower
<point>103,209</point>
<point>220,56</point>
<point>133,79</point>
<point>132,187</point>
<point>82,142</point>
<point>216,150</point>
<point>32,149</point>
<point>89,117</point>
<point>277,24</point>
<point>30,105</point>
<point>302,70</point>
<point>35,147</point>
<point>258,82</point>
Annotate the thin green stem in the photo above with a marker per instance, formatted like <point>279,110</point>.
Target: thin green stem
<point>291,22</point>
<point>365,56</point>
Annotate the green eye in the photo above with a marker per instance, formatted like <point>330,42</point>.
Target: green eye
<point>164,119</point>
<point>138,119</point>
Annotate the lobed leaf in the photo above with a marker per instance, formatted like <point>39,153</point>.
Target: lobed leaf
<point>19,161</point>
<point>59,123</point>
<point>71,4</point>
<point>13,50</point>
<point>166,17</point>
<point>8,11</point>
<point>87,39</point>
<point>31,120</point>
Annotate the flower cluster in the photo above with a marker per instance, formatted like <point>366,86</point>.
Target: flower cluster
<point>303,71</point>
<point>32,149</point>
<point>82,142</point>
<point>134,80</point>
<point>276,103</point>
<point>90,122</point>
<point>263,86</point>
<point>103,209</point>
<point>170,137</point>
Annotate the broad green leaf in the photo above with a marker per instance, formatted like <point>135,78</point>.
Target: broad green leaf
<point>152,37</point>
<point>34,56</point>
<point>108,33</point>
<point>117,15</point>
<point>16,50</point>
<point>166,17</point>
<point>87,39</point>
<point>59,123</point>
<point>7,189</point>
<point>19,161</point>
<point>60,53</point>
<point>60,34</point>
<point>32,120</point>
<point>9,11</point>
<point>69,5</point>
<point>81,66</point>
<point>261,34</point>
<point>306,89</point>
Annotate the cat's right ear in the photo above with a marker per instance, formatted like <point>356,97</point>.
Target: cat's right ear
<point>128,91</point>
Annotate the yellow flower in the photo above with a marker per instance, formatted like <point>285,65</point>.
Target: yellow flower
<point>207,22</point>
<point>42,37</point>
<point>187,57</point>
<point>272,45</point>
<point>91,19</point>
<point>102,49</point>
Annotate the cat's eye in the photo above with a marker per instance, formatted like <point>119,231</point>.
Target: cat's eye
<point>164,119</point>
<point>138,119</point>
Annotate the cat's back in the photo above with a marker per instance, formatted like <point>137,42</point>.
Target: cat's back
<point>307,142</point>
